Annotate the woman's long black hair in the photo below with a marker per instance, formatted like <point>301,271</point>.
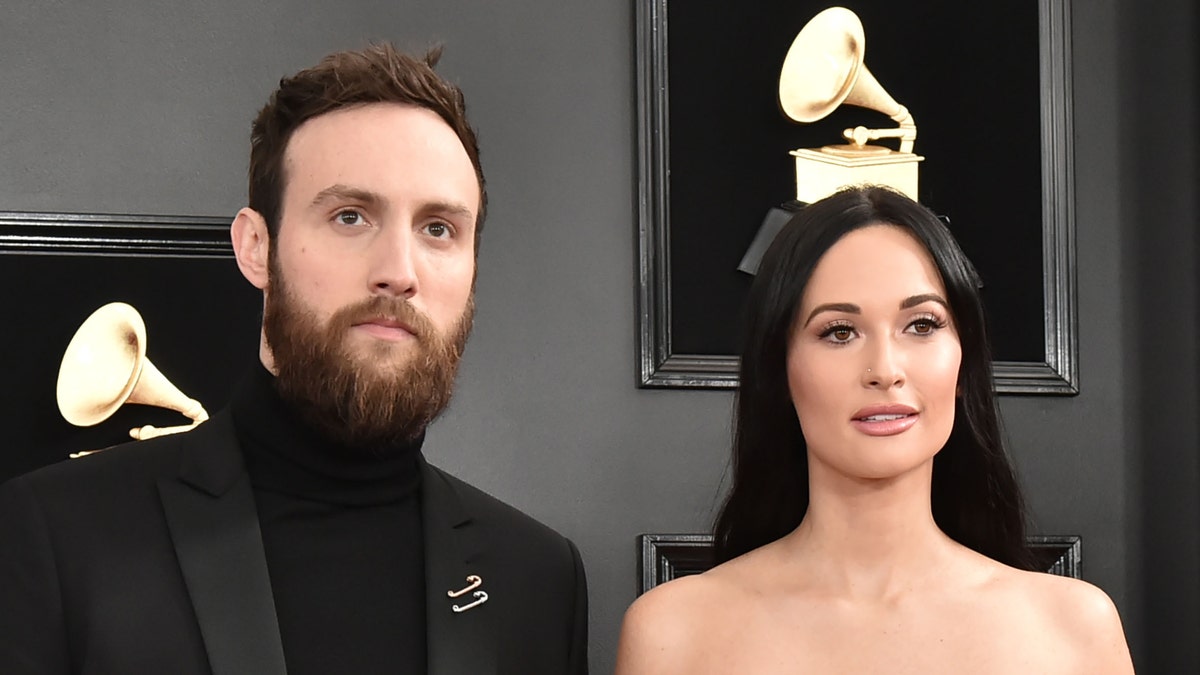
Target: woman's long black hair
<point>975,497</point>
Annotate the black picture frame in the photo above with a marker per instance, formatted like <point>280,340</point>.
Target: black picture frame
<point>120,235</point>
<point>666,312</point>
<point>202,318</point>
<point>664,557</point>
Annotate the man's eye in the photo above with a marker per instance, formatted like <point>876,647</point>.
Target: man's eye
<point>438,230</point>
<point>349,218</point>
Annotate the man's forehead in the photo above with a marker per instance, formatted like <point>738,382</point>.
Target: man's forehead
<point>363,121</point>
<point>351,151</point>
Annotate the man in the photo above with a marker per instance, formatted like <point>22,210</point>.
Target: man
<point>300,530</point>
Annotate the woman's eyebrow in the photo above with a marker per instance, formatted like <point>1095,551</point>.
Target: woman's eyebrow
<point>914,300</point>
<point>847,307</point>
<point>851,308</point>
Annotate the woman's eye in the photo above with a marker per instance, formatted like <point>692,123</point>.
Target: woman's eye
<point>925,326</point>
<point>838,333</point>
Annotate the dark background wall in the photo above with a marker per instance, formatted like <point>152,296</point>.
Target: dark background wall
<point>137,107</point>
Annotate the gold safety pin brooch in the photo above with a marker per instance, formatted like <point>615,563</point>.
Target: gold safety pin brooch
<point>474,581</point>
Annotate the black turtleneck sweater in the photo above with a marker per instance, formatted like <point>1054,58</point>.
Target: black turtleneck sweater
<point>342,533</point>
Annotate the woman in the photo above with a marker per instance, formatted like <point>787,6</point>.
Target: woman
<point>873,524</point>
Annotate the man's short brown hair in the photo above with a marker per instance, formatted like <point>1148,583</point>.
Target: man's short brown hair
<point>377,74</point>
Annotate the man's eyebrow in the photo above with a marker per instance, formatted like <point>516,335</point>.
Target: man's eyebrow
<point>846,307</point>
<point>450,209</point>
<point>914,300</point>
<point>341,192</point>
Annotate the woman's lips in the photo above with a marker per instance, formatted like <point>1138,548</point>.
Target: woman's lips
<point>889,426</point>
<point>885,420</point>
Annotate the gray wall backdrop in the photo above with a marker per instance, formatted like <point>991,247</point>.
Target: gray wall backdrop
<point>140,107</point>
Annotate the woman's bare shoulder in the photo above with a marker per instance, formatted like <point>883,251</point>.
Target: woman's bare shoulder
<point>723,587</point>
<point>670,623</point>
<point>1082,616</point>
<point>1076,600</point>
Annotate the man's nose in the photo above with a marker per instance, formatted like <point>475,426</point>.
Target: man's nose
<point>393,267</point>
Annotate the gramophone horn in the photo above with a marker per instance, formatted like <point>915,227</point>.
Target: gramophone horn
<point>105,366</point>
<point>824,68</point>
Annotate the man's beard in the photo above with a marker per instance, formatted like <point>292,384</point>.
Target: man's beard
<point>372,397</point>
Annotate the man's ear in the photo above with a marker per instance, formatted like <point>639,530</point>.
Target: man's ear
<point>251,246</point>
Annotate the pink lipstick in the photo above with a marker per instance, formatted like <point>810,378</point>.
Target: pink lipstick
<point>885,419</point>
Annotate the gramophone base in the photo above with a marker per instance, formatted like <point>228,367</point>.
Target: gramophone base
<point>820,174</point>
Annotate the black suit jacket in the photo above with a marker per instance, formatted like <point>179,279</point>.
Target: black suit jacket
<point>147,558</point>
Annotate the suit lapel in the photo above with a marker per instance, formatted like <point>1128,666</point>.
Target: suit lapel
<point>214,527</point>
<point>456,642</point>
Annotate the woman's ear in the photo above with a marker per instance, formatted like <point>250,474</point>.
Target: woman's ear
<point>251,246</point>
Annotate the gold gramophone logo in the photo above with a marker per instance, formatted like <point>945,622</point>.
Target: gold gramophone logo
<point>822,70</point>
<point>105,367</point>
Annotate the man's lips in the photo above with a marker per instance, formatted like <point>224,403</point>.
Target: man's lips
<point>386,329</point>
<point>885,419</point>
